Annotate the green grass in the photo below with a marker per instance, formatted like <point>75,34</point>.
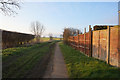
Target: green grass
<point>81,66</point>
<point>17,62</point>
<point>47,39</point>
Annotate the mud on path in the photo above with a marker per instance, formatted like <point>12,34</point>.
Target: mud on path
<point>56,67</point>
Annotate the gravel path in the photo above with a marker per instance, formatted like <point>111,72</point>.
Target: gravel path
<point>56,67</point>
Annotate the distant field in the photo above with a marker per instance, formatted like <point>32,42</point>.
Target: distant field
<point>43,39</point>
<point>47,39</point>
<point>20,62</point>
<point>81,66</point>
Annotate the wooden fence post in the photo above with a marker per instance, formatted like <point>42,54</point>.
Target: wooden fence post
<point>1,43</point>
<point>84,40</point>
<point>90,41</point>
<point>108,44</point>
<point>78,42</point>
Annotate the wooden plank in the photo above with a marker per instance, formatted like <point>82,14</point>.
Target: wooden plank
<point>108,44</point>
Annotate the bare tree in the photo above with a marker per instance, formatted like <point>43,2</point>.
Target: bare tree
<point>37,28</point>
<point>8,6</point>
<point>69,32</point>
<point>61,36</point>
<point>51,36</point>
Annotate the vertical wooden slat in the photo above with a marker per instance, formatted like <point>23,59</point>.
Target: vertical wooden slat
<point>90,41</point>
<point>118,46</point>
<point>78,41</point>
<point>108,44</point>
<point>84,40</point>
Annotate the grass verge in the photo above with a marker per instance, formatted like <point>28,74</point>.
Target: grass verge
<point>17,62</point>
<point>81,66</point>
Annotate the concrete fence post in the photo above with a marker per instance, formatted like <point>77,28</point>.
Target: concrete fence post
<point>108,44</point>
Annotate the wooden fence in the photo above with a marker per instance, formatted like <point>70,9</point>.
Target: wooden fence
<point>101,44</point>
<point>11,39</point>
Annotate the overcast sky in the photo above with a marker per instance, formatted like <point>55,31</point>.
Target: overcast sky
<point>55,16</point>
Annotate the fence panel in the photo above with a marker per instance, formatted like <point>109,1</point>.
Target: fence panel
<point>119,46</point>
<point>87,42</point>
<point>114,48</point>
<point>81,42</point>
<point>95,44</point>
<point>76,42</point>
<point>103,45</point>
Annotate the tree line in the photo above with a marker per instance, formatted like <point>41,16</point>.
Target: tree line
<point>70,32</point>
